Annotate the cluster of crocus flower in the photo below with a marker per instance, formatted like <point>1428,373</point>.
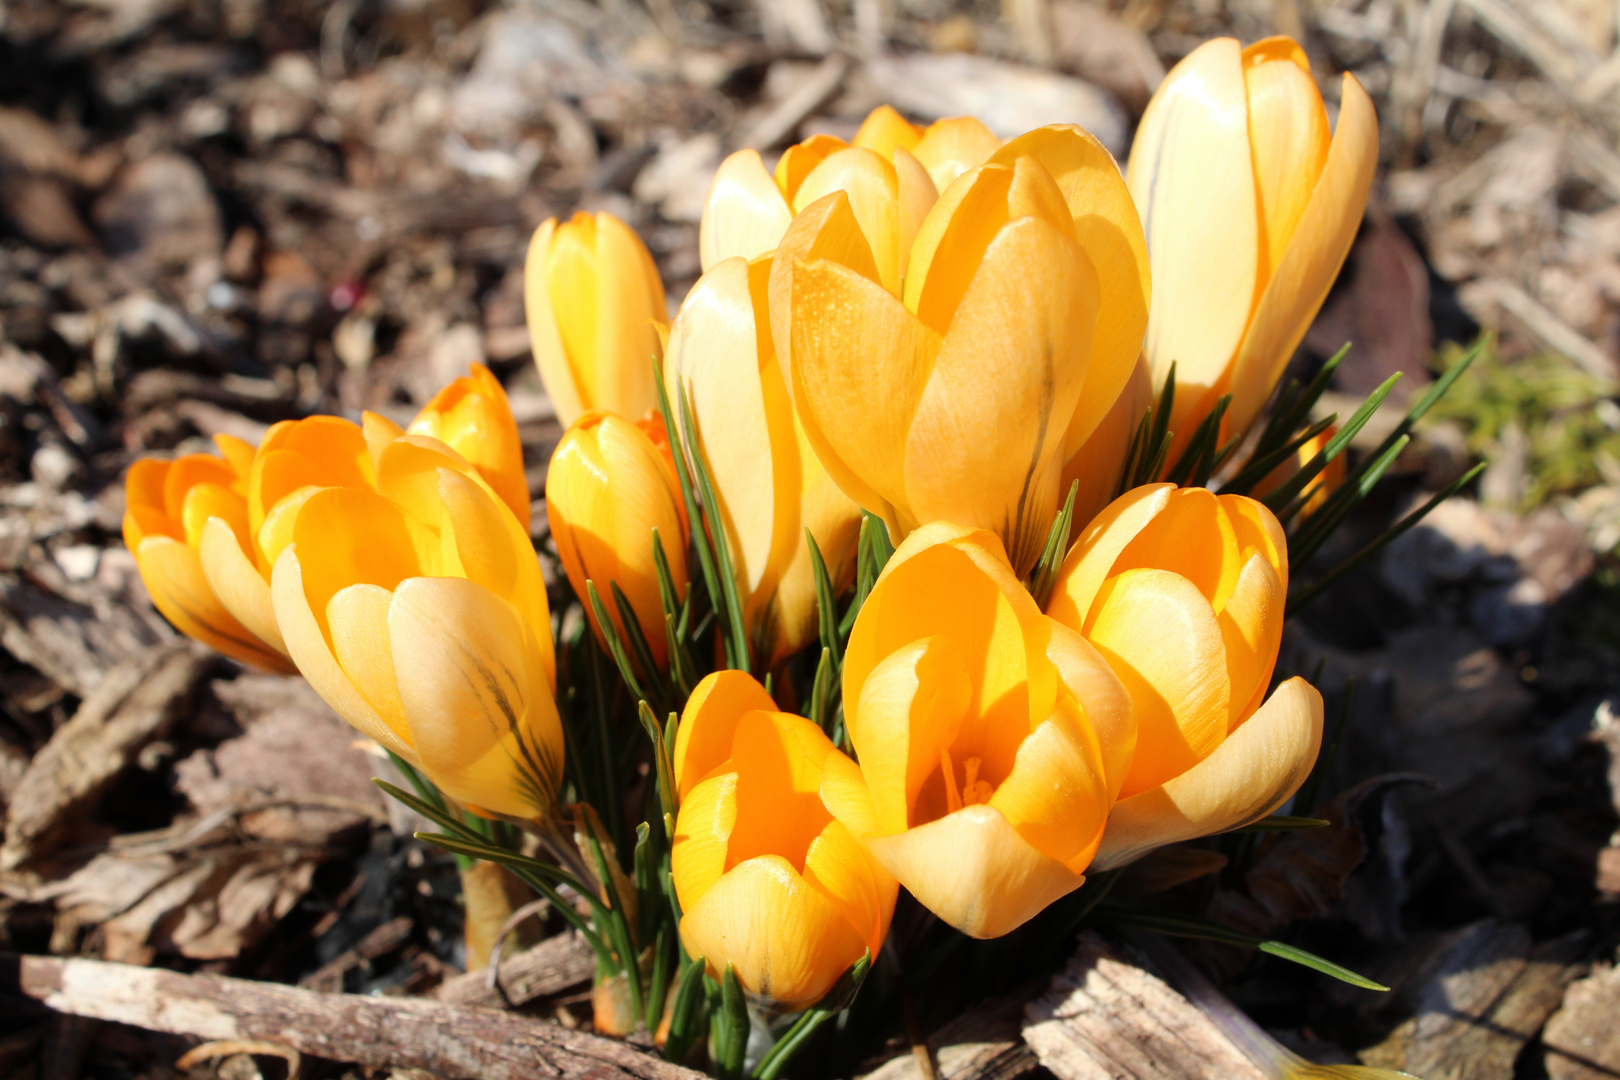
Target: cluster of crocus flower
<point>924,332</point>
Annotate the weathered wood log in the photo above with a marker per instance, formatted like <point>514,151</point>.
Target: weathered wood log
<point>558,963</point>
<point>451,1041</point>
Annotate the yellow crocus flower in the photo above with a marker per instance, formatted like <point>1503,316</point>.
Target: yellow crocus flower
<point>768,881</point>
<point>168,506</point>
<point>769,483</point>
<point>608,487</point>
<point>1182,591</point>
<point>417,611</point>
<point>1250,209</point>
<point>963,396</point>
<point>594,303</point>
<point>892,172</point>
<point>991,739</point>
<point>296,458</point>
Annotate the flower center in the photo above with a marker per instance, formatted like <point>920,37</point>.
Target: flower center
<point>973,790</point>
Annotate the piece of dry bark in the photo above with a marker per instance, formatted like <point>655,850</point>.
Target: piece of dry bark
<point>134,704</point>
<point>73,641</point>
<point>1105,1018</point>
<point>1582,1041</point>
<point>982,1044</point>
<point>1480,994</point>
<point>558,963</point>
<point>449,1040</point>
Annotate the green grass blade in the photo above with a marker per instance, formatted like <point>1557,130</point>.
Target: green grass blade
<point>1283,823</point>
<point>826,605</point>
<point>1177,926</point>
<point>1278,501</point>
<point>1044,575</point>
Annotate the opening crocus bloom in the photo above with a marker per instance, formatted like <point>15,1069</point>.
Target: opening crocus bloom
<point>768,881</point>
<point>960,393</point>
<point>594,303</point>
<point>297,458</point>
<point>1182,591</point>
<point>1250,209</point>
<point>608,487</point>
<point>769,483</point>
<point>168,507</point>
<point>991,739</point>
<point>416,610</point>
<point>892,173</point>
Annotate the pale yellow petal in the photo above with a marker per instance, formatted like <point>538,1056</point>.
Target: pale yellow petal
<point>1091,560</point>
<point>241,589</point>
<point>1104,701</point>
<point>703,740</point>
<point>952,146</point>
<point>1251,624</point>
<point>884,131</point>
<point>985,444</point>
<point>1255,771</point>
<point>910,709</point>
<point>173,575</point>
<point>974,871</point>
<point>1288,134</point>
<point>1317,251</point>
<point>745,214</point>
<point>1192,177</point>
<point>1056,796</point>
<point>845,795</point>
<point>870,184</point>
<point>839,866</point>
<point>1098,462</point>
<point>824,230</point>
<point>545,339</point>
<point>358,620</point>
<point>702,831</point>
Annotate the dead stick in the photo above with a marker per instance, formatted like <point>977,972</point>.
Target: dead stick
<point>405,1033</point>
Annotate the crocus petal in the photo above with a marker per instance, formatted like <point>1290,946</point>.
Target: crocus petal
<point>1211,562</point>
<point>1251,624</point>
<point>798,160</point>
<point>974,871</point>
<point>473,417</point>
<point>241,589</point>
<point>1108,230</point>
<point>475,696</point>
<point>143,484</point>
<point>308,647</point>
<point>188,473</point>
<point>703,740</point>
<point>238,452</point>
<point>1288,134</point>
<point>884,130</point>
<point>1161,638</point>
<point>952,146</point>
<point>870,184</point>
<point>1056,796</point>
<point>1097,463</point>
<point>545,337</point>
<point>358,620</point>
<point>1314,256</point>
<point>1258,529</point>
<point>708,814</point>
<point>379,432</point>
<point>1091,560</point>
<point>985,442</point>
<point>910,709</point>
<point>1102,697</point>
<point>858,415</point>
<point>1192,153</point>
<point>1250,775</point>
<point>837,864</point>
<point>745,214</point>
<point>326,451</point>
<point>788,941</point>
<point>823,230</point>
<point>845,795</point>
<point>173,575</point>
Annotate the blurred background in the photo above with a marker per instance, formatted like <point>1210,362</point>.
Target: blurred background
<point>216,214</point>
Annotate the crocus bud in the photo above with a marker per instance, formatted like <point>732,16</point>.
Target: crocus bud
<point>417,611</point>
<point>991,739</point>
<point>961,397</point>
<point>768,881</point>
<point>473,418</point>
<point>768,481</point>
<point>593,299</point>
<point>1251,209</point>
<point>607,488</point>
<point>168,507</point>
<point>1182,591</point>
<point>891,173</point>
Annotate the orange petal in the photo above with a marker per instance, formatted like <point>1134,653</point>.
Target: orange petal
<point>241,589</point>
<point>173,575</point>
<point>884,130</point>
<point>702,831</point>
<point>952,146</point>
<point>1161,638</point>
<point>1091,560</point>
<point>910,709</point>
<point>703,740</point>
<point>1251,625</point>
<point>974,871</point>
<point>870,184</point>
<point>799,159</point>
<point>1056,796</point>
<point>828,230</point>
<point>838,865</point>
<point>1317,251</point>
<point>1193,537</point>
<point>1104,702</point>
<point>1257,528</point>
<point>1255,771</point>
<point>1288,135</point>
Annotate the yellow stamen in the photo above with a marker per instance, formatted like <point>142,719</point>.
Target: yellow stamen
<point>953,798</point>
<point>974,790</point>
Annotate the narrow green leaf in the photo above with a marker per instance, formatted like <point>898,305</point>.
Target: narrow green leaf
<point>679,445</point>
<point>616,925</point>
<point>821,693</point>
<point>1201,447</point>
<point>639,648</point>
<point>1160,434</point>
<point>1045,573</point>
<point>737,650</point>
<point>878,537</point>
<point>831,1004</point>
<point>826,605</point>
<point>731,1028</point>
<point>686,1019</point>
<point>1278,501</point>
<point>1177,926</point>
<point>658,980</point>
<point>611,634</point>
<point>1260,467</point>
<point>681,669</point>
<point>1314,532</point>
<point>1135,455</point>
<point>1283,823</point>
<point>1295,406</point>
<point>663,767</point>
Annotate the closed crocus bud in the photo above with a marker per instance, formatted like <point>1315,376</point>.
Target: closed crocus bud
<point>991,739</point>
<point>1252,207</point>
<point>768,881</point>
<point>1182,591</point>
<point>892,173</point>
<point>961,397</point>
<point>417,611</point>
<point>594,300</point>
<point>768,481</point>
<point>1318,488</point>
<point>607,488</point>
<point>473,418</point>
<point>168,507</point>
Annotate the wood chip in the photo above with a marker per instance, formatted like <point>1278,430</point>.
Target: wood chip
<point>451,1041</point>
<point>557,964</point>
<point>1582,1040</point>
